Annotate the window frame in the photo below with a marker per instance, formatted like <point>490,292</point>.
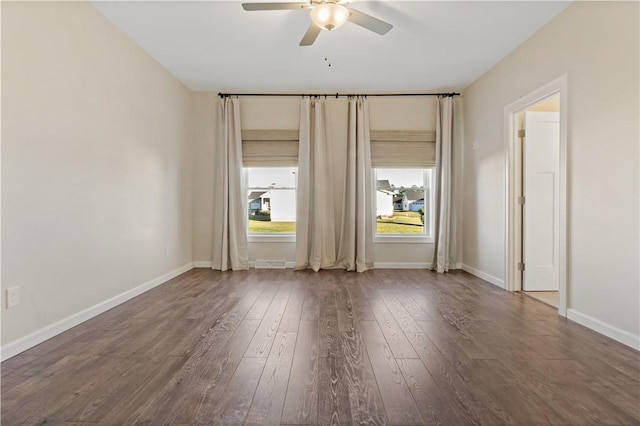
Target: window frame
<point>273,237</point>
<point>428,179</point>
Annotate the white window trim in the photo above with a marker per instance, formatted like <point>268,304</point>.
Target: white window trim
<point>404,239</point>
<point>407,238</point>
<point>271,238</point>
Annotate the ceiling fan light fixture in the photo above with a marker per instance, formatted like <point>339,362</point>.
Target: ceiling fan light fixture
<point>329,16</point>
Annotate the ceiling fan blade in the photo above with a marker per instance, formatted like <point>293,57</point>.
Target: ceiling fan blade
<point>275,6</point>
<point>369,22</point>
<point>311,35</point>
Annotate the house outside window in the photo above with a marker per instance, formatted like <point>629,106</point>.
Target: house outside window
<point>271,200</point>
<point>404,203</point>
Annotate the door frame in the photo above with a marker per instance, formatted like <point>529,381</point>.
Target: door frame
<point>513,222</point>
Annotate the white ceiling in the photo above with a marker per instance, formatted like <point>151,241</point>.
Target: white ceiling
<point>434,45</point>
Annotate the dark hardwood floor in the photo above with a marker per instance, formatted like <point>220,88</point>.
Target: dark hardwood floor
<point>262,347</point>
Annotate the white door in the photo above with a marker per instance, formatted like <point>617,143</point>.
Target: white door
<point>541,207</point>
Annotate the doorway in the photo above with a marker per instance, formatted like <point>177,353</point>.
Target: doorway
<point>539,137</point>
<point>536,194</point>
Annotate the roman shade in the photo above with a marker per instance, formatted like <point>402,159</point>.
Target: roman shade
<point>403,148</point>
<point>270,148</point>
<point>389,148</point>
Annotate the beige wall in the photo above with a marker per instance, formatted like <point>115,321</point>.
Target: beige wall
<point>96,160</point>
<point>205,116</point>
<point>597,45</point>
<point>284,113</point>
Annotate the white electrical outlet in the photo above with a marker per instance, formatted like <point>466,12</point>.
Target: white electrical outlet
<point>13,297</point>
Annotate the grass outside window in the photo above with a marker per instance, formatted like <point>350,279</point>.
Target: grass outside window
<point>400,223</point>
<point>262,227</point>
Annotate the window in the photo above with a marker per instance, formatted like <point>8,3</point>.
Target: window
<point>271,200</point>
<point>403,162</point>
<point>404,202</point>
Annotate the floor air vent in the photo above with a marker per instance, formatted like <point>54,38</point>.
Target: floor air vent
<point>270,264</point>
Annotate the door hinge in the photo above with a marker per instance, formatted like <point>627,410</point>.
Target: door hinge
<point>521,133</point>
<point>521,266</point>
<point>521,200</point>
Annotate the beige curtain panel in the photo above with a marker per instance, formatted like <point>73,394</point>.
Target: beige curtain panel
<point>355,251</point>
<point>443,184</point>
<point>315,227</point>
<point>230,215</point>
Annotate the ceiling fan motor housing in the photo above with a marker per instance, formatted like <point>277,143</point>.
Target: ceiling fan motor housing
<point>329,15</point>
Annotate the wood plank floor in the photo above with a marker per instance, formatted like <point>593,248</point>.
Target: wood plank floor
<point>263,347</point>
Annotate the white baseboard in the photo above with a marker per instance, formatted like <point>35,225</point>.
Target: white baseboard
<point>602,327</point>
<point>410,265</point>
<point>22,344</point>
<point>377,265</point>
<point>402,265</point>
<point>207,264</point>
<point>287,265</point>
<point>490,278</point>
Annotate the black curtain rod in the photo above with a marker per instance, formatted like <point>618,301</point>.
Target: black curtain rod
<point>336,95</point>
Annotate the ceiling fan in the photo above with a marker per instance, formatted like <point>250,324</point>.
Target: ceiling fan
<point>327,15</point>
